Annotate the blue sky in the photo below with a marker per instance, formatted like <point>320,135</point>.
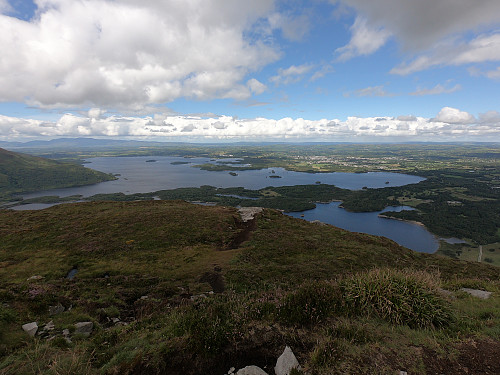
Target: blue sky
<point>322,70</point>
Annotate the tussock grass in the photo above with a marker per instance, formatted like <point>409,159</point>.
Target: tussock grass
<point>399,297</point>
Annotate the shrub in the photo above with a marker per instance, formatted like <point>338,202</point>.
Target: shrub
<point>211,324</point>
<point>400,297</point>
<point>311,303</point>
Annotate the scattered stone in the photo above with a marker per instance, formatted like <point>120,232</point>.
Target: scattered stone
<point>49,326</point>
<point>251,370</point>
<point>84,328</point>
<point>144,297</point>
<point>30,328</point>
<point>115,320</point>
<point>231,371</point>
<point>403,372</point>
<point>446,293</point>
<point>54,310</point>
<point>198,297</point>
<point>35,277</point>
<point>248,213</point>
<point>65,332</point>
<point>477,293</point>
<point>286,362</point>
<point>318,222</point>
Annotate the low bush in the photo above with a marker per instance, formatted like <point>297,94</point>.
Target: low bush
<point>399,297</point>
<point>311,303</point>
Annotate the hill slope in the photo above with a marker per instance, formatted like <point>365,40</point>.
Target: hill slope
<point>146,273</point>
<point>25,173</point>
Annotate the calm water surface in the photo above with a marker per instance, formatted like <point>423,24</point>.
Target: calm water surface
<point>410,235</point>
<point>139,176</point>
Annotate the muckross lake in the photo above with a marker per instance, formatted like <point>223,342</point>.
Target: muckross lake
<point>147,174</point>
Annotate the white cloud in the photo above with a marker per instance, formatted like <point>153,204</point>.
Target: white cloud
<point>369,91</point>
<point>292,74</point>
<point>449,124</point>
<point>480,49</point>
<point>320,73</point>
<point>454,116</point>
<point>131,53</point>
<point>256,87</point>
<point>494,74</point>
<point>365,40</point>
<point>418,24</point>
<point>5,7</point>
<point>436,90</point>
<point>293,27</point>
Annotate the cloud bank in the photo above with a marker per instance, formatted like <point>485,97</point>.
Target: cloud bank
<point>434,30</point>
<point>449,124</point>
<point>130,53</point>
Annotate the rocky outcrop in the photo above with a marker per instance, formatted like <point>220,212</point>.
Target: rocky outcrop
<point>251,370</point>
<point>248,213</point>
<point>284,365</point>
<point>286,362</point>
<point>30,328</point>
<point>477,293</point>
<point>84,328</point>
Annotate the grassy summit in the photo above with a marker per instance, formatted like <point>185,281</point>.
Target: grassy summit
<point>24,173</point>
<point>177,288</point>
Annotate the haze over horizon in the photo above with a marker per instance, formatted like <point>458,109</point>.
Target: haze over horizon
<point>219,70</point>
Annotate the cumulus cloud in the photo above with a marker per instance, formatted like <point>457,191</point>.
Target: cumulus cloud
<point>449,124</point>
<point>420,24</point>
<point>365,40</point>
<point>454,116</point>
<point>436,90</point>
<point>292,74</point>
<point>131,53</point>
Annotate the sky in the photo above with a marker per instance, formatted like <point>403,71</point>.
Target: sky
<point>260,70</point>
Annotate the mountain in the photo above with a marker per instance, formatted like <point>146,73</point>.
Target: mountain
<point>169,287</point>
<point>24,173</point>
<point>72,143</point>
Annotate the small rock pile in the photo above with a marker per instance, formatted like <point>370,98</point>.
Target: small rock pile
<point>284,365</point>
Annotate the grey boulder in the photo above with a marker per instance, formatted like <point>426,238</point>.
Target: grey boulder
<point>251,370</point>
<point>286,362</point>
<point>30,328</point>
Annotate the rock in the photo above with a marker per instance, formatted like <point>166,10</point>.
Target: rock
<point>54,310</point>
<point>49,326</point>
<point>445,293</point>
<point>34,277</point>
<point>248,213</point>
<point>403,372</point>
<point>65,332</point>
<point>286,362</point>
<point>84,328</point>
<point>251,370</point>
<point>477,293</point>
<point>30,328</point>
<point>231,371</point>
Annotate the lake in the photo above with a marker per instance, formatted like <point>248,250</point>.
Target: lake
<point>410,235</point>
<point>147,174</point>
<point>139,175</point>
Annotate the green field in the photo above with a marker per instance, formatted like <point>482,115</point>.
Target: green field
<point>346,303</point>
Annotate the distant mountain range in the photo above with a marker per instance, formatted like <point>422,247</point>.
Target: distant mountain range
<point>76,142</point>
